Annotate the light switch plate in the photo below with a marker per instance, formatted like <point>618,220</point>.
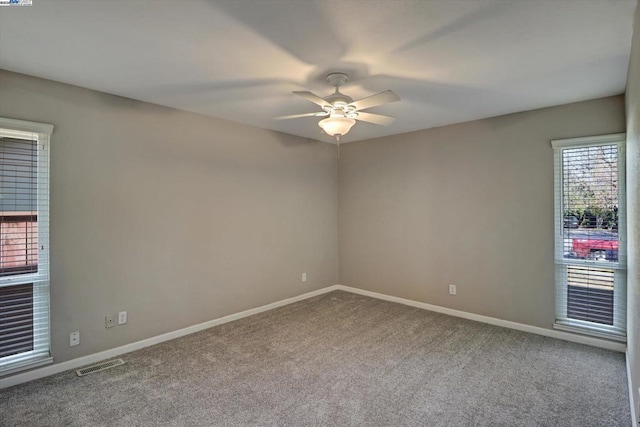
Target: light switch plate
<point>122,318</point>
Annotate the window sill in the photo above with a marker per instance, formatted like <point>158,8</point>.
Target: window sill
<point>23,366</point>
<point>579,329</point>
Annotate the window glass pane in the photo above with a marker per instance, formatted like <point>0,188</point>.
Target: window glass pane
<point>18,206</point>
<point>16,319</point>
<point>18,245</point>
<point>18,175</point>
<point>590,294</point>
<point>590,203</point>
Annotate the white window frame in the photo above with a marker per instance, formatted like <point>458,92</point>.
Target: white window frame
<point>617,331</point>
<point>41,353</point>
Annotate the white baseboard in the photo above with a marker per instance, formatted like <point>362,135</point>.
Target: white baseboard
<point>114,352</point>
<point>107,354</point>
<point>634,421</point>
<point>581,339</point>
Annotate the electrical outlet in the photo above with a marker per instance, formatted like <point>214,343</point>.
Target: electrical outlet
<point>122,318</point>
<point>304,277</point>
<point>110,321</point>
<point>452,290</point>
<point>74,339</point>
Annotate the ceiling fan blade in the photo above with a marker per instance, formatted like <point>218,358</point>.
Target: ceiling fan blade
<point>374,100</point>
<point>295,116</point>
<point>377,119</point>
<point>313,98</point>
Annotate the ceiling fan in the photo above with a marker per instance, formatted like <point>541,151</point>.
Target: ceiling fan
<point>342,111</point>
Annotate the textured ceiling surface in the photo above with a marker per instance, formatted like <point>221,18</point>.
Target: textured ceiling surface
<point>450,61</point>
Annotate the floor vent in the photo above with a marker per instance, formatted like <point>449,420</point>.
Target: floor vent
<point>99,367</point>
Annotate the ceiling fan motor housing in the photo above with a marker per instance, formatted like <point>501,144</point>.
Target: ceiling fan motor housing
<point>338,100</point>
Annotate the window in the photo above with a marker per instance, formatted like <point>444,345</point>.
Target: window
<point>24,245</point>
<point>590,235</point>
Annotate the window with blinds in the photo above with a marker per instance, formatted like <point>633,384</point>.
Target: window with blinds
<point>590,235</point>
<point>24,244</point>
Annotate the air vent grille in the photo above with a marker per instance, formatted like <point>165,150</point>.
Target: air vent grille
<point>99,367</point>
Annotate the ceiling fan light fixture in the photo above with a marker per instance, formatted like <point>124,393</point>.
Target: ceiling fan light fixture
<point>337,125</point>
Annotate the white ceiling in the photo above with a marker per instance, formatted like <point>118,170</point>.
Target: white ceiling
<point>450,61</point>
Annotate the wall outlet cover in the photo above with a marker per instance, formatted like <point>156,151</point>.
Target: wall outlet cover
<point>110,321</point>
<point>74,339</point>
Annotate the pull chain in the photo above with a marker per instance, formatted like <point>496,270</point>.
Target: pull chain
<point>338,139</point>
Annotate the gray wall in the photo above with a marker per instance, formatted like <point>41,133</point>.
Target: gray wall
<point>469,204</point>
<point>633,206</point>
<point>175,217</point>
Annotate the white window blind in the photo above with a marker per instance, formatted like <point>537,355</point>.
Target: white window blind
<point>24,244</point>
<point>590,249</point>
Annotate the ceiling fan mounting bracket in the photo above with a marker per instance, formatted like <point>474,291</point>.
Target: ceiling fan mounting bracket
<point>337,79</point>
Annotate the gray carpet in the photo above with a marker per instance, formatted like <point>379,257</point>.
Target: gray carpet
<point>339,359</point>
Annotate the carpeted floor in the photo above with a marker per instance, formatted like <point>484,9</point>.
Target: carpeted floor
<point>339,359</point>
